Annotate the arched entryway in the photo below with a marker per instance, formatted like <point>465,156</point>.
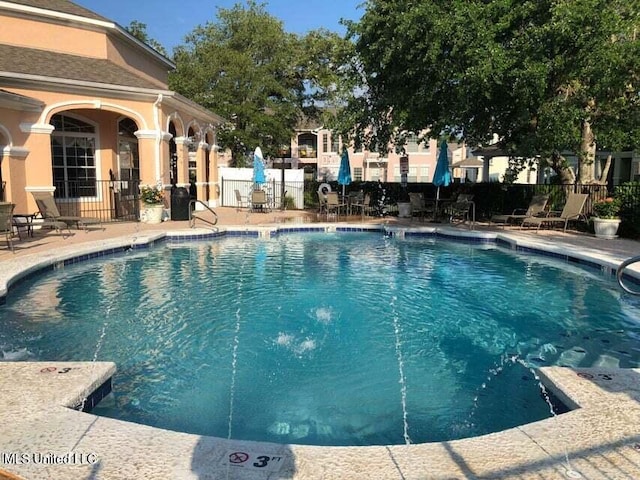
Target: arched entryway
<point>125,180</point>
<point>95,164</point>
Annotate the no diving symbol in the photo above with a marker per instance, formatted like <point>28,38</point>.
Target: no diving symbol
<point>48,370</point>
<point>238,457</point>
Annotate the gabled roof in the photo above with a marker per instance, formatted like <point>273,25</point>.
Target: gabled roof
<point>64,10</point>
<point>43,63</point>
<point>470,162</point>
<point>62,6</point>
<point>15,101</point>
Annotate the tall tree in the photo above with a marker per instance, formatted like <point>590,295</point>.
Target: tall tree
<point>139,30</point>
<point>245,67</point>
<point>546,76</point>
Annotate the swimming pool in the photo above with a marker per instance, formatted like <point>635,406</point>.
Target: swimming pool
<point>328,339</point>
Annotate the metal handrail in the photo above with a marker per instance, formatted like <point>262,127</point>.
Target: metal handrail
<point>620,272</point>
<point>193,216</point>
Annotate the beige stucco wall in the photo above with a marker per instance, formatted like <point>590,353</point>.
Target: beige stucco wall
<point>147,67</point>
<point>53,37</point>
<point>12,144</point>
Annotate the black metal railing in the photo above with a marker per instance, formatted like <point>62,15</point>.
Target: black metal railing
<point>119,200</point>
<point>110,201</point>
<point>491,197</point>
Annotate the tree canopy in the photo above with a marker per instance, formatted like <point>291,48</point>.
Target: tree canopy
<point>139,30</point>
<point>545,76</point>
<point>246,68</point>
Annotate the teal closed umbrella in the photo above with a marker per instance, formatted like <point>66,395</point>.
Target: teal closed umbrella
<point>258,168</point>
<point>344,174</point>
<point>442,175</point>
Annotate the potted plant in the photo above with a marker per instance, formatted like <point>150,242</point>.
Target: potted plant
<point>606,220</point>
<point>153,204</point>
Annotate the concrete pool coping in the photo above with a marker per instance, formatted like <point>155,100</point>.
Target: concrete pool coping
<point>600,439</point>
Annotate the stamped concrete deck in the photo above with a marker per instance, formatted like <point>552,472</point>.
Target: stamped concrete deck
<point>42,438</point>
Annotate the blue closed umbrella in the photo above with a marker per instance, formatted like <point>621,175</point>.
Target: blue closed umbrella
<point>442,175</point>
<point>258,168</point>
<point>344,174</point>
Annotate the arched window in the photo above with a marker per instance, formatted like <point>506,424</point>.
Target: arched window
<point>73,147</point>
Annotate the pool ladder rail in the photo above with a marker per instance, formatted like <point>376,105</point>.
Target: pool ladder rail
<point>620,273</point>
<point>196,214</point>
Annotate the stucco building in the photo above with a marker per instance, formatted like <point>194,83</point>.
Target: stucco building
<point>86,112</point>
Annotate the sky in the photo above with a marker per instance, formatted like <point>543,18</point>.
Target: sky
<point>169,21</point>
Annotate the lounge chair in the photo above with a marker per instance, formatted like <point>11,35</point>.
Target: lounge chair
<point>259,202</point>
<point>6,222</point>
<point>572,211</point>
<point>52,218</point>
<point>536,208</point>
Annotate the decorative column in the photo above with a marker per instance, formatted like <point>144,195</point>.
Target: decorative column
<point>182,144</point>
<point>39,140</point>
<point>201,172</point>
<point>153,147</point>
<point>13,173</point>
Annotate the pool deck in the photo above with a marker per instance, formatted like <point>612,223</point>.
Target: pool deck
<point>42,438</point>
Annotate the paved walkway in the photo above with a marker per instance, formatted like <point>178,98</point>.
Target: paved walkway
<point>228,217</point>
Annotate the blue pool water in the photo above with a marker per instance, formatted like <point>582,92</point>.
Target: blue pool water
<point>325,339</point>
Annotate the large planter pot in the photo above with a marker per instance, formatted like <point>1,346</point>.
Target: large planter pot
<point>152,213</point>
<point>404,209</point>
<point>606,227</point>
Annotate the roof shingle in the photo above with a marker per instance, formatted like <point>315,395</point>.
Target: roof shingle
<point>62,6</point>
<point>31,61</point>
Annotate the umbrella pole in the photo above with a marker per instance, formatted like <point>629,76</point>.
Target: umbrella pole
<point>435,213</point>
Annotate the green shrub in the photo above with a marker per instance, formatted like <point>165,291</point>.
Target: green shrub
<point>628,194</point>
<point>289,203</point>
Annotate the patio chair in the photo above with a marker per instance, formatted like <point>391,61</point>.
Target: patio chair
<point>6,222</point>
<point>353,198</point>
<point>334,205</point>
<point>536,208</point>
<point>51,215</point>
<point>241,201</point>
<point>462,208</point>
<point>418,207</point>
<point>572,211</point>
<point>361,205</point>
<point>259,201</point>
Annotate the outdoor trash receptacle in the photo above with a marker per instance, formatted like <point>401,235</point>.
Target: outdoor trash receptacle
<point>180,199</point>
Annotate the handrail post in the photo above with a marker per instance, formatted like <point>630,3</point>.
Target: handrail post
<point>620,272</point>
<point>193,218</point>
